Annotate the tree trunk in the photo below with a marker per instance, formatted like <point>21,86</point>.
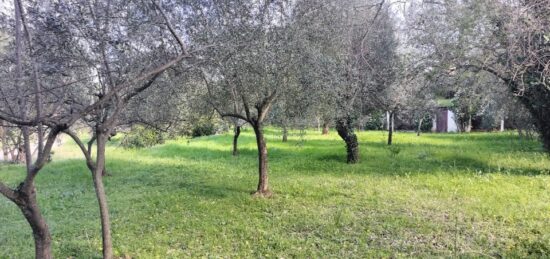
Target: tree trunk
<point>536,101</point>
<point>393,122</point>
<point>101,197</point>
<point>4,140</point>
<point>390,129</point>
<point>520,132</point>
<point>263,184</point>
<point>468,126</point>
<point>325,128</point>
<point>29,207</point>
<point>14,155</point>
<point>285,134</point>
<point>502,125</point>
<point>318,124</point>
<point>21,154</point>
<point>387,120</point>
<point>419,127</point>
<point>237,132</point>
<point>345,131</point>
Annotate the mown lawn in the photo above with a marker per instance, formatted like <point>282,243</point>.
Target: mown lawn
<point>447,195</point>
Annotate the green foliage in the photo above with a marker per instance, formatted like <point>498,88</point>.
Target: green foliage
<point>394,150</point>
<point>448,103</point>
<point>445,196</point>
<point>142,137</point>
<point>203,129</point>
<point>427,123</point>
<point>375,121</point>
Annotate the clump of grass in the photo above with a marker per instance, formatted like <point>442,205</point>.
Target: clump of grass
<point>394,150</point>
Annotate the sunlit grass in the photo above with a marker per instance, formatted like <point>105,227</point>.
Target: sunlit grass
<point>473,195</point>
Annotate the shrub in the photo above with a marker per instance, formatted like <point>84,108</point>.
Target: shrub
<point>394,150</point>
<point>142,137</point>
<point>427,123</point>
<point>375,121</point>
<point>203,129</point>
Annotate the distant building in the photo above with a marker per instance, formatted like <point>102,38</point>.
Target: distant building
<point>444,119</point>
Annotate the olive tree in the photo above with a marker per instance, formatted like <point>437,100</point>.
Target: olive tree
<point>250,69</point>
<point>349,44</point>
<point>126,54</point>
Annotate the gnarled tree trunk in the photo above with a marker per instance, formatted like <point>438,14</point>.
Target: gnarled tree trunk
<point>26,201</point>
<point>263,184</point>
<point>345,130</point>
<point>237,133</point>
<point>536,100</point>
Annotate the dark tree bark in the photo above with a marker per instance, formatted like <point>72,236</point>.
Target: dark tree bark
<point>101,197</point>
<point>237,133</point>
<point>325,128</point>
<point>345,131</point>
<point>285,134</point>
<point>263,183</point>
<point>27,203</point>
<point>390,128</point>
<point>536,100</point>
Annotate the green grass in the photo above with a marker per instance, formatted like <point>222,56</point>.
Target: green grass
<point>447,195</point>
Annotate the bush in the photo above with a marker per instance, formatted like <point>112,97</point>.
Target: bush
<point>375,121</point>
<point>427,123</point>
<point>142,137</point>
<point>203,129</point>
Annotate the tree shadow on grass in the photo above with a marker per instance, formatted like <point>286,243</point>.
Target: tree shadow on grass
<point>314,158</point>
<point>376,158</point>
<point>336,158</point>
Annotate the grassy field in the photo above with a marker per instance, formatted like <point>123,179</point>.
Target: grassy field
<point>447,195</point>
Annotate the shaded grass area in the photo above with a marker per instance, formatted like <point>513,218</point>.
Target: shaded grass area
<point>472,195</point>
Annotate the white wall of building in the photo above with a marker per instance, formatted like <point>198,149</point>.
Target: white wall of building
<point>451,122</point>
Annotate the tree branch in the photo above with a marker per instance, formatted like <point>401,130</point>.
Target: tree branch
<point>140,89</point>
<point>171,28</point>
<point>86,152</point>
<point>119,87</point>
<point>234,115</point>
<point>263,108</point>
<point>8,192</point>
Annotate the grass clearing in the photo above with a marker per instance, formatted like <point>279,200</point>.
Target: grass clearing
<point>442,195</point>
